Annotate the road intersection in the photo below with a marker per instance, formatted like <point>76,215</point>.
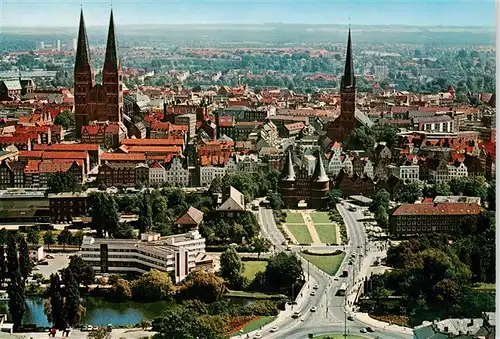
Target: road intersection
<point>331,310</point>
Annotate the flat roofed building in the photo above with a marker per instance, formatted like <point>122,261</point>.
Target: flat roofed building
<point>175,254</point>
<point>410,219</point>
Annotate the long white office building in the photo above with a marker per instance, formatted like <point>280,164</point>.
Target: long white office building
<point>176,254</point>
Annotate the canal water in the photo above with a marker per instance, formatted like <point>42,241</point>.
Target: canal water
<point>101,312</point>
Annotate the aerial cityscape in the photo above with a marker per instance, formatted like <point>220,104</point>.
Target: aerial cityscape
<point>221,172</point>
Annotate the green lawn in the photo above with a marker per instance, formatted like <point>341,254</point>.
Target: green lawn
<point>326,233</point>
<point>301,233</point>
<point>294,218</point>
<point>339,336</point>
<point>252,267</point>
<point>327,263</point>
<point>485,287</point>
<point>256,324</point>
<point>320,217</point>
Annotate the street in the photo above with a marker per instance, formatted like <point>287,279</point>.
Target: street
<point>330,315</point>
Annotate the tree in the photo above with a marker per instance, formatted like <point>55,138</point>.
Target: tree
<point>48,239</point>
<point>153,285</point>
<point>161,220</point>
<point>16,287</point>
<point>332,198</point>
<point>64,238</point>
<point>381,198</point>
<point>3,236</point>
<point>54,306</point>
<point>231,266</point>
<point>72,303</point>
<point>409,193</point>
<point>25,264</point>
<point>120,290</point>
<point>99,333</point>
<point>491,195</point>
<point>104,212</point>
<point>3,265</point>
<point>283,271</point>
<point>82,271</point>
<point>63,182</point>
<point>381,217</point>
<point>33,236</point>
<point>66,119</point>
<point>146,214</point>
<point>260,245</point>
<point>203,286</point>
<point>124,231</point>
<point>180,323</point>
<point>77,239</point>
<point>361,138</point>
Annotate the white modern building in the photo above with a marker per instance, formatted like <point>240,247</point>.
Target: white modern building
<point>178,254</point>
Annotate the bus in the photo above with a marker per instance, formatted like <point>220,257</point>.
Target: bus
<point>342,289</point>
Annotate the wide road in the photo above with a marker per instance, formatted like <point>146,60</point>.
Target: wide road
<point>330,315</point>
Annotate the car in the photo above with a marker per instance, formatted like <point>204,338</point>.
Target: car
<point>274,329</point>
<point>363,330</point>
<point>313,293</point>
<point>316,286</point>
<point>257,336</point>
<point>313,309</point>
<point>350,318</point>
<point>45,263</point>
<point>83,328</point>
<point>336,279</point>
<point>48,256</point>
<point>369,329</point>
<point>350,262</point>
<point>90,328</point>
<point>109,327</point>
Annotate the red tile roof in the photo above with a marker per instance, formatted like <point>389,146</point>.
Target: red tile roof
<point>63,155</point>
<point>66,147</point>
<point>438,209</point>
<point>160,149</point>
<point>153,142</point>
<point>30,154</point>
<point>123,157</point>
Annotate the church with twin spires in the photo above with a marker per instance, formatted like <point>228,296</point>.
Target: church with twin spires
<point>97,103</point>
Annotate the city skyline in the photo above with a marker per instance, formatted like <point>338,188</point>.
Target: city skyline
<point>416,13</point>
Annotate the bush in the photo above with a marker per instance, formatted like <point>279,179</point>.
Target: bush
<point>336,252</point>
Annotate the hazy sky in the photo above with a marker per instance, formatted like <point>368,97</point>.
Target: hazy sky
<point>368,12</point>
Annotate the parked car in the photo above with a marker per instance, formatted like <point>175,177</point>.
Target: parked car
<point>369,329</point>
<point>313,309</point>
<point>316,287</point>
<point>313,293</point>
<point>257,336</point>
<point>48,256</point>
<point>350,318</point>
<point>363,330</point>
<point>274,329</point>
<point>45,263</point>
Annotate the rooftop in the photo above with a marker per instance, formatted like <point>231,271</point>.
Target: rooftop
<point>453,208</point>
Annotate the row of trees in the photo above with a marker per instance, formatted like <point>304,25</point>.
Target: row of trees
<point>16,266</point>
<point>473,186</point>
<point>437,274</point>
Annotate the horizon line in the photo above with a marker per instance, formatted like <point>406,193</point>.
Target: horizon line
<point>259,24</point>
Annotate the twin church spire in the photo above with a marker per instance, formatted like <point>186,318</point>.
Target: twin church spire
<point>83,58</point>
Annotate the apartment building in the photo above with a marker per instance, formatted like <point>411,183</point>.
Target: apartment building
<point>176,174</point>
<point>176,254</point>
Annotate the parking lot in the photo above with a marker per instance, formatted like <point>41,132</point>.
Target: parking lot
<point>60,261</point>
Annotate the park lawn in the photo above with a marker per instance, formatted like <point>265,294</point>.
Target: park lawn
<point>327,263</point>
<point>300,233</point>
<point>320,218</point>
<point>485,287</point>
<point>294,218</point>
<point>326,233</point>
<point>252,267</point>
<point>339,336</point>
<point>256,324</point>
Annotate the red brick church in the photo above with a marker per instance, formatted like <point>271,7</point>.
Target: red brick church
<point>97,103</point>
<point>350,118</point>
